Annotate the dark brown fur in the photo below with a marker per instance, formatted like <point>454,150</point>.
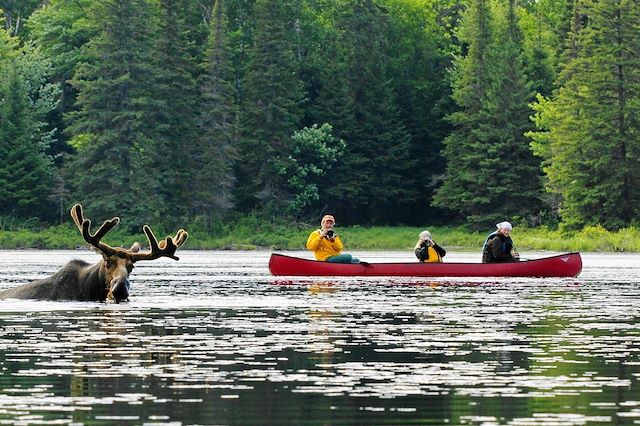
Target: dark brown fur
<point>105,280</point>
<point>69,283</point>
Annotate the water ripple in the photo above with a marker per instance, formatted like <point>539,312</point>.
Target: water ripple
<point>214,332</point>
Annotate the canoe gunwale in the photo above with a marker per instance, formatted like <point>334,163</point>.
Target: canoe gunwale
<point>561,265</point>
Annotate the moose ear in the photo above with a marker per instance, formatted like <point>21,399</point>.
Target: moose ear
<point>135,247</point>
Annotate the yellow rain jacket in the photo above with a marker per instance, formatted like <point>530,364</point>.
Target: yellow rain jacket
<point>322,247</point>
<point>434,256</point>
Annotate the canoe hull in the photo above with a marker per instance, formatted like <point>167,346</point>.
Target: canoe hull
<point>564,265</point>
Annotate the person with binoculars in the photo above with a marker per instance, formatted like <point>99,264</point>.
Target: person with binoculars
<point>326,244</point>
<point>427,250</point>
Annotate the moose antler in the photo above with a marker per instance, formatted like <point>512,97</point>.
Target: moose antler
<point>165,248</point>
<point>84,225</point>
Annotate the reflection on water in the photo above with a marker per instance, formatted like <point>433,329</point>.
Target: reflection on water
<point>214,339</point>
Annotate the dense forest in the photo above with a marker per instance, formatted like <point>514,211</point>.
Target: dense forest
<point>381,112</point>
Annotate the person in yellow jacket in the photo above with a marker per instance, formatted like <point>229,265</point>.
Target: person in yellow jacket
<point>327,245</point>
<point>427,250</point>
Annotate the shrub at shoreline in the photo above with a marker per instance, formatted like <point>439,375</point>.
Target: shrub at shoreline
<point>279,237</point>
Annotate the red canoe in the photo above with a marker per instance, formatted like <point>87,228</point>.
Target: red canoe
<point>564,265</point>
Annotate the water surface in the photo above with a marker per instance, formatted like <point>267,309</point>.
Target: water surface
<point>215,339</point>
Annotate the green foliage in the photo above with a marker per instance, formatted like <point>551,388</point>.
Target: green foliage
<point>544,28</point>
<point>115,82</point>
<point>314,150</point>
<point>8,44</point>
<point>271,106</point>
<point>61,29</point>
<point>251,233</point>
<point>588,133</point>
<point>15,13</point>
<point>422,35</point>
<point>26,175</point>
<point>425,94</point>
<point>174,93</point>
<point>215,150</point>
<point>371,179</point>
<point>491,174</point>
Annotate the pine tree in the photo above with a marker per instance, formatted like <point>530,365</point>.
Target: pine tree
<point>176,96</point>
<point>544,32</point>
<point>462,190</point>
<point>26,175</point>
<point>272,95</point>
<point>495,174</point>
<point>325,68</point>
<point>369,184</point>
<point>510,172</point>
<point>421,35</point>
<point>60,29</point>
<point>16,13</point>
<point>215,151</point>
<point>589,128</point>
<point>8,44</point>
<point>114,130</point>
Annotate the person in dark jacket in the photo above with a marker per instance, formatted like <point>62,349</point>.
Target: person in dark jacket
<point>499,247</point>
<point>427,250</point>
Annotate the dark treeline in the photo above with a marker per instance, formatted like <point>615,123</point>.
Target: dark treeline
<point>378,111</point>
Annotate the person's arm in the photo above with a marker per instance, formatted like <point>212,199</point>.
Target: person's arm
<point>337,243</point>
<point>514,253</point>
<point>421,252</point>
<point>442,252</point>
<point>313,242</point>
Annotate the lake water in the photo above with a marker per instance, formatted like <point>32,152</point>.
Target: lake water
<point>215,339</point>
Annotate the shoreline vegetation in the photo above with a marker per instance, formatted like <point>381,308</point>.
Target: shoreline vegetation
<point>286,237</point>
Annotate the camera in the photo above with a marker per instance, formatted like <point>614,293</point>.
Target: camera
<point>330,233</point>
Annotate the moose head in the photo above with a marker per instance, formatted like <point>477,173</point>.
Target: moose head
<point>106,280</point>
<point>117,263</point>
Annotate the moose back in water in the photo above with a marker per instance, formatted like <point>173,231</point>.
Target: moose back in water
<point>105,280</point>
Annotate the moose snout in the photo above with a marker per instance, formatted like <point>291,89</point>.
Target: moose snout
<point>119,289</point>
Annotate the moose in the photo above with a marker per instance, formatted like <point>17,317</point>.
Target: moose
<point>105,280</point>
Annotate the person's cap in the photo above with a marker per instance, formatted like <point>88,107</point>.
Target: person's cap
<point>327,217</point>
<point>425,234</point>
<point>504,225</point>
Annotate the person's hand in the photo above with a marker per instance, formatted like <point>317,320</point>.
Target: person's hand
<point>325,234</point>
<point>427,242</point>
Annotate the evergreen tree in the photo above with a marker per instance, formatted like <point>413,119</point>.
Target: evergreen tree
<point>421,34</point>
<point>271,107</point>
<point>463,190</point>
<point>176,98</point>
<point>370,184</point>
<point>495,174</point>
<point>215,151</point>
<point>510,172</point>
<point>26,175</point>
<point>543,24</point>
<point>60,29</point>
<point>16,13</point>
<point>589,129</point>
<point>8,45</point>
<point>332,99</point>
<point>114,130</point>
